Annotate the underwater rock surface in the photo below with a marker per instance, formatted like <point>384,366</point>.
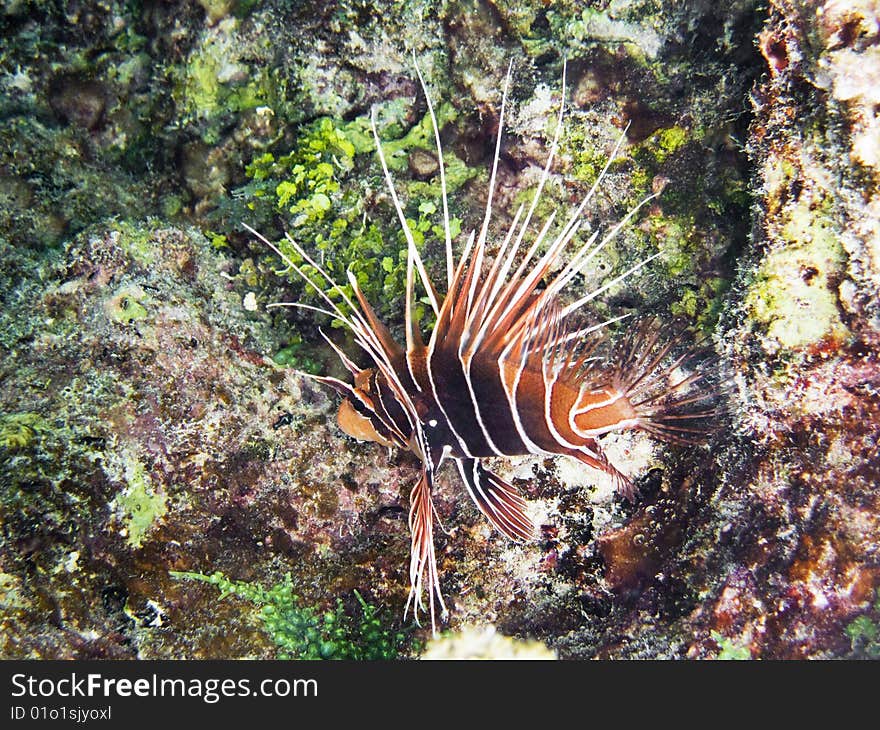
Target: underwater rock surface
<point>146,432</point>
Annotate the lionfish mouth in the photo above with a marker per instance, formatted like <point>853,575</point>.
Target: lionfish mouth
<point>505,371</point>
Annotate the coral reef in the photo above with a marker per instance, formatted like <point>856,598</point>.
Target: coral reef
<point>484,643</point>
<point>803,339</point>
<point>302,633</point>
<point>153,431</point>
<point>165,442</point>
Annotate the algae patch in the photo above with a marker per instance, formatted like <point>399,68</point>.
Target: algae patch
<point>305,632</point>
<point>139,505</point>
<point>125,305</point>
<point>792,296</point>
<point>18,430</point>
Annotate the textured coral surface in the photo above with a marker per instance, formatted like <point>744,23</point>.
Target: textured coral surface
<point>171,487</point>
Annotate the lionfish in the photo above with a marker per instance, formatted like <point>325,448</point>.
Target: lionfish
<point>504,372</point>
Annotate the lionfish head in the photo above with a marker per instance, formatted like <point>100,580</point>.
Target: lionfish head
<point>358,415</point>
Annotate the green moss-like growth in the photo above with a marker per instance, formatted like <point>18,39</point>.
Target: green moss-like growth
<point>666,142</point>
<point>702,306</point>
<point>419,136</point>
<point>586,27</point>
<point>307,188</point>
<point>18,430</point>
<point>728,649</point>
<point>302,632</point>
<point>125,305</point>
<point>139,504</point>
<point>791,297</point>
<point>220,81</point>
<point>586,160</point>
<point>296,354</point>
<point>137,241</point>
<point>655,156</point>
<point>674,227</point>
<point>683,258</point>
<point>864,632</point>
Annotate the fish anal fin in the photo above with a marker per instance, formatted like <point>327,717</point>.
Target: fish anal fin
<point>597,460</point>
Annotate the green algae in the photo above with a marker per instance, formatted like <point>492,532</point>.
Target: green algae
<point>419,136</point>
<point>310,187</point>
<point>666,142</point>
<point>586,161</point>
<point>11,594</point>
<point>589,26</point>
<point>125,306</point>
<point>791,296</point>
<point>864,632</point>
<point>303,632</point>
<point>139,503</point>
<point>703,305</point>
<point>299,355</point>
<point>729,649</point>
<point>19,430</point>
<point>218,82</point>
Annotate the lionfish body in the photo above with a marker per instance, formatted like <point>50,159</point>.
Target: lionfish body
<point>504,373</point>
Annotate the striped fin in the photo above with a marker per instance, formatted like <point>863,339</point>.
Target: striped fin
<point>673,396</point>
<point>423,560</point>
<point>378,345</point>
<point>595,458</point>
<point>499,502</point>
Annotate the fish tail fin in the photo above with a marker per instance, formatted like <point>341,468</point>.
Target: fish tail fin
<point>673,391</point>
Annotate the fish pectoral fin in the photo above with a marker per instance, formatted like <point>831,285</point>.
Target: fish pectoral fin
<point>423,573</point>
<point>499,501</point>
<point>338,385</point>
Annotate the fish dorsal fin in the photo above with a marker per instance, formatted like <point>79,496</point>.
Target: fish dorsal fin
<point>392,350</point>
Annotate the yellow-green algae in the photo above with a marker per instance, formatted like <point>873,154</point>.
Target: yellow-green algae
<point>137,241</point>
<point>303,632</point>
<point>730,649</point>
<point>310,187</point>
<point>18,430</point>
<point>864,632</point>
<point>139,503</point>
<point>125,305</point>
<point>792,295</point>
<point>666,142</point>
<point>219,81</point>
<point>11,591</point>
